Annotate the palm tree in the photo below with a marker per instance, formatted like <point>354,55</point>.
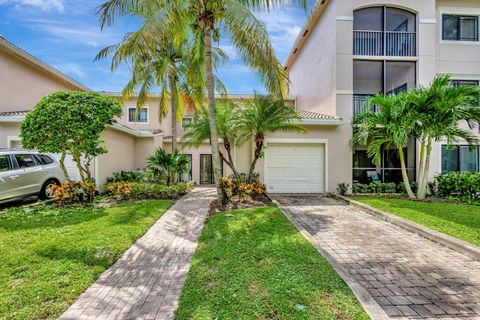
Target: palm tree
<point>393,124</point>
<point>227,127</point>
<point>206,17</point>
<point>262,115</point>
<point>168,165</point>
<point>159,62</point>
<point>440,111</point>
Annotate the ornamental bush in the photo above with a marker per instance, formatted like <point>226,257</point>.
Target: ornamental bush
<point>147,190</point>
<point>242,186</point>
<point>462,185</point>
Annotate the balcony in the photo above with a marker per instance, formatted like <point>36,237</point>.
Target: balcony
<point>388,43</point>
<point>384,31</point>
<point>360,104</point>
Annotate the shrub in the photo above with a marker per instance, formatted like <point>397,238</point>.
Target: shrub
<point>389,187</point>
<point>242,186</point>
<point>119,190</point>
<point>463,185</point>
<point>401,187</point>
<point>130,176</point>
<point>342,188</point>
<point>375,187</point>
<point>142,190</point>
<point>359,188</point>
<point>73,192</point>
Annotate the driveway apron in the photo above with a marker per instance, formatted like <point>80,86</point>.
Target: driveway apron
<point>408,276</point>
<point>145,283</point>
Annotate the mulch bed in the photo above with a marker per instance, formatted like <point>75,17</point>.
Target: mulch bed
<point>234,203</point>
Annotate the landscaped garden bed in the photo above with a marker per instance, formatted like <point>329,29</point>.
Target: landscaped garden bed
<point>254,264</point>
<point>459,220</point>
<point>50,255</point>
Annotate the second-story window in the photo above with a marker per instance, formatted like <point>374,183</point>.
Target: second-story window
<point>459,27</point>
<point>141,116</point>
<point>186,121</point>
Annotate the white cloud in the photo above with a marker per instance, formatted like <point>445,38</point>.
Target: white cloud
<point>44,5</point>
<point>71,69</point>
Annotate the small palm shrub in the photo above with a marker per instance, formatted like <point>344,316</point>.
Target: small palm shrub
<point>167,166</point>
<point>342,188</point>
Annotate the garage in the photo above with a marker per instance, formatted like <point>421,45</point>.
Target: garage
<point>293,167</point>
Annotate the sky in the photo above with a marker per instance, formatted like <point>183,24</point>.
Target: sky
<point>66,35</point>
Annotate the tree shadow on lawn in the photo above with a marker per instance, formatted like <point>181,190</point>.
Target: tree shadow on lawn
<point>85,256</point>
<point>254,263</point>
<point>18,219</point>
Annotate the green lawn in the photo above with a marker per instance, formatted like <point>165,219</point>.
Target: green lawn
<point>254,264</point>
<point>461,221</point>
<point>49,256</point>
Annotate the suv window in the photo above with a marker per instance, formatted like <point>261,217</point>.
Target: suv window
<point>44,159</point>
<point>5,163</point>
<point>25,160</point>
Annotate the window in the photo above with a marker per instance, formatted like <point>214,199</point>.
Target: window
<point>460,28</point>
<point>186,121</point>
<point>455,83</point>
<point>142,116</point>
<point>5,163</point>
<point>44,159</point>
<point>25,160</point>
<point>460,158</point>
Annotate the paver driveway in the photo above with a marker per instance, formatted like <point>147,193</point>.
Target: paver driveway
<point>407,275</point>
<point>145,283</point>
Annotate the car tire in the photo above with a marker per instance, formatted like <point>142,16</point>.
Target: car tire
<point>45,194</point>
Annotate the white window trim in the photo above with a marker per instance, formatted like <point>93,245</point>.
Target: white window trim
<point>299,141</point>
<point>137,122</point>
<point>11,139</point>
<point>458,11</point>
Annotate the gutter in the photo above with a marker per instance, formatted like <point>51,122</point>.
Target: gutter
<point>321,122</point>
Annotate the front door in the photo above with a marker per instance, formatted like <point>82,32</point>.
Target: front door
<point>206,169</point>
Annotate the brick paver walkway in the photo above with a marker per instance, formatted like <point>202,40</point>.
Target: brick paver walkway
<point>145,283</point>
<point>407,275</point>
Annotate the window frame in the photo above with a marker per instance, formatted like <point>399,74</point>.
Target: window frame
<point>457,149</point>
<point>449,11</point>
<point>147,109</point>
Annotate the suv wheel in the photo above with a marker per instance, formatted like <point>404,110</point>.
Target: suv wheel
<point>46,193</point>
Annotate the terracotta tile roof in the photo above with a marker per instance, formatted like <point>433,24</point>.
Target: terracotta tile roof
<point>13,113</point>
<point>316,116</point>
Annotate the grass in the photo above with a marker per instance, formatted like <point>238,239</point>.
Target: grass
<point>49,256</point>
<point>254,264</point>
<point>461,221</point>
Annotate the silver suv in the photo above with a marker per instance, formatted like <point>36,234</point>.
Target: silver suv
<point>24,173</point>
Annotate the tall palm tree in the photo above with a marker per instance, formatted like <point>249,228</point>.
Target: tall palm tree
<point>208,17</point>
<point>262,115</point>
<point>393,124</point>
<point>441,111</point>
<point>227,116</point>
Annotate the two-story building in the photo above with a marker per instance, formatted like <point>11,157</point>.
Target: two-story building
<point>352,49</point>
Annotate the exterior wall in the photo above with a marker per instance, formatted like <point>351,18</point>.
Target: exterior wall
<point>121,148</point>
<point>18,77</point>
<point>8,130</point>
<point>145,147</point>
<point>312,75</point>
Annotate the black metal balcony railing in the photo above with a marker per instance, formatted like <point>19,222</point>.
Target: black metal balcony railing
<point>397,43</point>
<point>360,104</point>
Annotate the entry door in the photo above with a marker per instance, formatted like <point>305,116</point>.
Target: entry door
<point>206,169</point>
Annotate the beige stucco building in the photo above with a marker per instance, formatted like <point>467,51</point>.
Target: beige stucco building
<point>347,51</point>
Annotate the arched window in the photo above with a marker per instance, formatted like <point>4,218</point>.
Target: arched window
<point>384,31</point>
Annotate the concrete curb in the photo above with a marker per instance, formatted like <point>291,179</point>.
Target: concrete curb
<point>432,235</point>
<point>366,300</point>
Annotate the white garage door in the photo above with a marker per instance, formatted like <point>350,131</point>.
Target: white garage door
<point>295,168</point>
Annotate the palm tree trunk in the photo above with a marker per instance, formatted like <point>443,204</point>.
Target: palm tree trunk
<point>421,166</point>
<point>229,161</point>
<point>259,139</point>
<point>406,181</point>
<point>62,166</point>
<point>173,109</point>
<point>422,191</point>
<point>212,118</point>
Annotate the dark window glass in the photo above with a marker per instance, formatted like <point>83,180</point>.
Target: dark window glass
<point>25,160</point>
<point>460,158</point>
<point>456,83</point>
<point>361,160</point>
<point>142,115</point>
<point>44,159</point>
<point>391,159</point>
<point>460,28</point>
<point>186,121</point>
<point>5,163</point>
